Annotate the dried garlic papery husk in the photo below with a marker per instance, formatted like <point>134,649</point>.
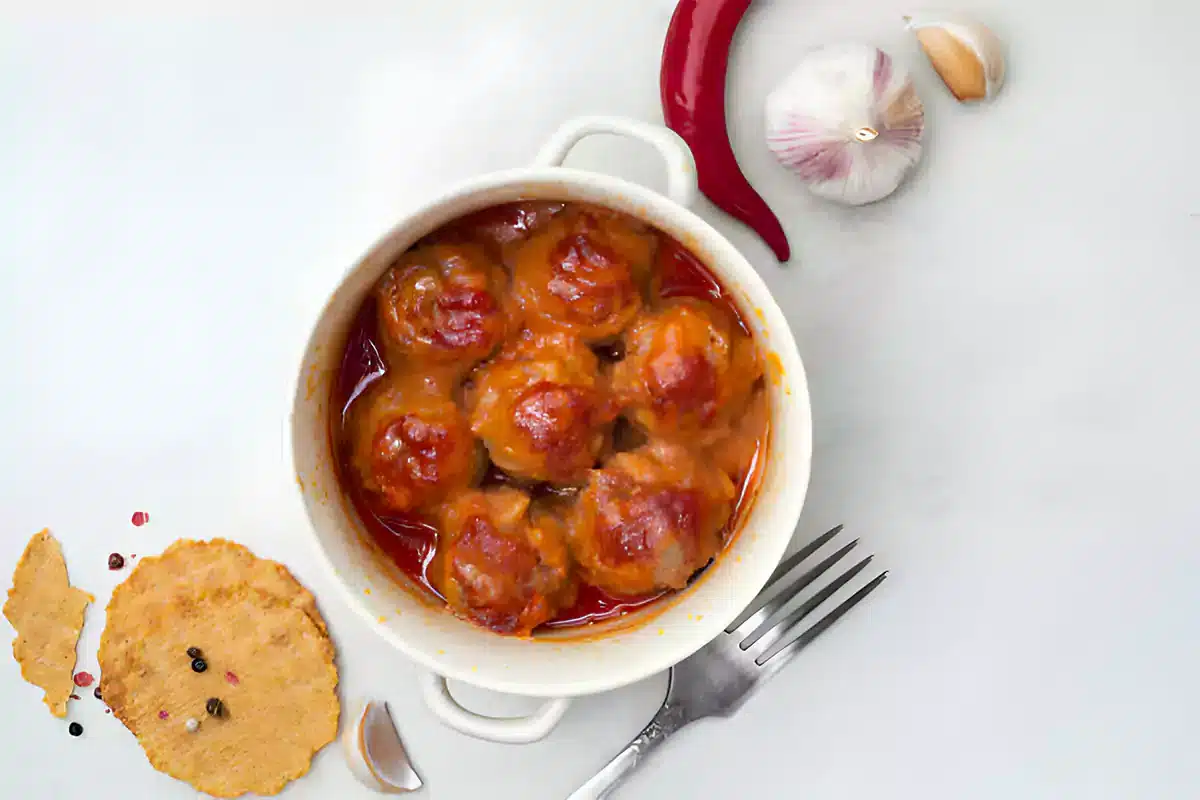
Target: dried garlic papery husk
<point>848,122</point>
<point>966,55</point>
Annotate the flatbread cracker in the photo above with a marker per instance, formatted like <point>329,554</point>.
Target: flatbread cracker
<point>48,615</point>
<point>280,707</point>
<point>191,569</point>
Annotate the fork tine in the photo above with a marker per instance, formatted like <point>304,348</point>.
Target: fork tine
<point>762,609</point>
<point>787,565</point>
<point>785,651</point>
<point>774,632</point>
<point>790,563</point>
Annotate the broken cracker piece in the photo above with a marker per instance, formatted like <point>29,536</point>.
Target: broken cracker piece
<point>48,615</point>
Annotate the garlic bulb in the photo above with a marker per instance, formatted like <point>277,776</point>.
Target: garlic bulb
<point>849,122</point>
<point>375,753</point>
<point>967,55</point>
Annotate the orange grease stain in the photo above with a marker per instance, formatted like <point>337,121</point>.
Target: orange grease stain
<point>775,368</point>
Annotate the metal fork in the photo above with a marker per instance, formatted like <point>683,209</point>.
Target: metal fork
<point>716,680</point>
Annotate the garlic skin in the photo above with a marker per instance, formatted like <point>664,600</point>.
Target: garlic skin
<point>967,56</point>
<point>848,122</point>
<point>374,752</point>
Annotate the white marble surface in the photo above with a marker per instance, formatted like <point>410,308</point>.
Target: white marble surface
<point>1002,361</point>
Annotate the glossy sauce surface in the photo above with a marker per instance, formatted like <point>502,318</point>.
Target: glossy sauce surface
<point>410,540</point>
<point>682,275</point>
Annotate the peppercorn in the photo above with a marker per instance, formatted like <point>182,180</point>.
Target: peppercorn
<point>215,707</point>
<point>75,729</point>
<point>116,561</point>
<point>97,693</point>
<point>199,665</point>
<point>194,652</point>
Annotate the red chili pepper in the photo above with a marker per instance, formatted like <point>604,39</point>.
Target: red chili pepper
<point>695,59</point>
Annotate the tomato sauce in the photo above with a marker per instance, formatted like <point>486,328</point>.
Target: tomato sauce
<point>683,275</point>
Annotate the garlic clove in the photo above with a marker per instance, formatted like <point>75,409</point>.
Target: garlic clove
<point>958,67</point>
<point>375,753</point>
<point>966,55</point>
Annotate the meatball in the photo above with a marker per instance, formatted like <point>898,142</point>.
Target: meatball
<point>585,272</point>
<point>443,304</point>
<point>688,370</point>
<point>500,228</point>
<point>738,453</point>
<point>411,448</point>
<point>502,564</point>
<point>649,520</point>
<point>541,409</point>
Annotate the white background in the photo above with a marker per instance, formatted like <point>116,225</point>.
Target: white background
<point>1002,358</point>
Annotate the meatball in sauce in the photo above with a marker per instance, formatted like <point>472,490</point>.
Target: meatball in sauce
<point>412,448</point>
<point>541,408</point>
<point>500,229</point>
<point>443,305</point>
<point>585,273</point>
<point>688,370</point>
<point>649,519</point>
<point>549,415</point>
<point>501,563</point>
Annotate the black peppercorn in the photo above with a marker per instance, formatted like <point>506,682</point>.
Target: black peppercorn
<point>75,729</point>
<point>96,692</point>
<point>215,707</point>
<point>116,561</point>
<point>199,665</point>
<point>194,652</point>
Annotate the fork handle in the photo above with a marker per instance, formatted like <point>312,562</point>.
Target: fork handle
<point>669,719</point>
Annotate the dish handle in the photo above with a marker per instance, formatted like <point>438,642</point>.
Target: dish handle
<point>682,186</point>
<point>514,730</point>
